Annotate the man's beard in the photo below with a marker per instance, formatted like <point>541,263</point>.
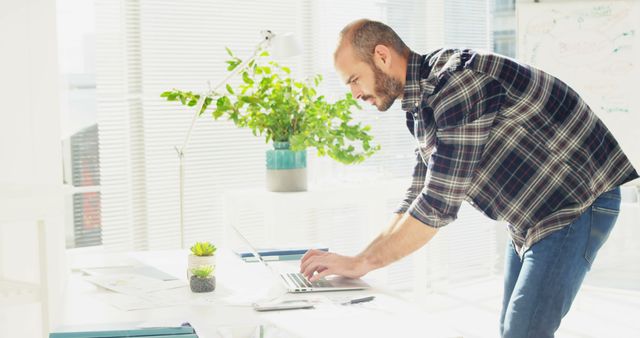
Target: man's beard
<point>387,89</point>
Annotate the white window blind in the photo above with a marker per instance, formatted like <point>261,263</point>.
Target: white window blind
<point>466,24</point>
<point>145,47</point>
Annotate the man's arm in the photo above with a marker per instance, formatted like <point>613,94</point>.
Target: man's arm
<point>395,220</point>
<point>402,238</point>
<point>350,266</point>
<point>407,236</point>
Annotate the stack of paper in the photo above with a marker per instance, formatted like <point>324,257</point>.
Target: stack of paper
<point>139,287</point>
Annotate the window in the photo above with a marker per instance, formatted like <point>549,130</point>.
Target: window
<point>505,5</point>
<point>76,46</point>
<point>503,27</point>
<point>504,42</point>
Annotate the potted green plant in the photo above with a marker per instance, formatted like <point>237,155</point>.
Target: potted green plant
<point>202,253</point>
<point>289,113</point>
<point>202,279</point>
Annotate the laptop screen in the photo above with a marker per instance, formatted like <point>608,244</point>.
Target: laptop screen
<point>253,250</point>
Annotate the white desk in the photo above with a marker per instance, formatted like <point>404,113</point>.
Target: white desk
<point>225,312</point>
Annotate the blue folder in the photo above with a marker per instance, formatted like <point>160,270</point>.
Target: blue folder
<point>277,254</point>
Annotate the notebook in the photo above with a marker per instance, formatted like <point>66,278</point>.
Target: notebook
<point>277,254</point>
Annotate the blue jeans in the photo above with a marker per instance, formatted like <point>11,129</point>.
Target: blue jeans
<point>539,290</point>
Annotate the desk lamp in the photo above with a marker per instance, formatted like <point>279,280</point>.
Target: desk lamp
<point>281,46</point>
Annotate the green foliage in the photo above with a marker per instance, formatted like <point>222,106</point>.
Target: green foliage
<point>273,104</point>
<point>203,249</point>
<point>203,271</point>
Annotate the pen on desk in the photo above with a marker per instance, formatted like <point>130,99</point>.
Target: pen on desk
<point>359,300</point>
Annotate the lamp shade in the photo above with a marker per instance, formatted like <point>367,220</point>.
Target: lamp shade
<point>285,45</point>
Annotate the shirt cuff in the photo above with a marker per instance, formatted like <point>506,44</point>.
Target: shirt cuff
<point>426,214</point>
<point>402,208</point>
<point>409,197</point>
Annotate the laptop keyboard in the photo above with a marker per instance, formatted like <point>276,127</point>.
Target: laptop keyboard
<point>301,281</point>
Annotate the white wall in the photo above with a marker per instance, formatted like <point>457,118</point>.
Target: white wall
<point>29,113</point>
<point>29,145</point>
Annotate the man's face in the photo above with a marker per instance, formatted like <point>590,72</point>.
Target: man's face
<point>366,81</point>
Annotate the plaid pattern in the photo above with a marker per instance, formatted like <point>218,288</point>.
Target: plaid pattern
<point>516,143</point>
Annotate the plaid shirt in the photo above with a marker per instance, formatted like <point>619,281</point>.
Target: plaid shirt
<point>513,141</point>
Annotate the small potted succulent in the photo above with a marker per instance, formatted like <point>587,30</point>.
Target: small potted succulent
<point>202,253</point>
<point>202,279</point>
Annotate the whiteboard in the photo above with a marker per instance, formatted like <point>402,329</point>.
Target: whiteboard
<point>592,46</point>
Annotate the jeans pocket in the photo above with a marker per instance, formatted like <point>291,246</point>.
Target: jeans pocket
<point>602,221</point>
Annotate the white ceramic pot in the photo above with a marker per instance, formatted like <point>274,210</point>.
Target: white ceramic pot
<point>196,261</point>
<point>287,180</point>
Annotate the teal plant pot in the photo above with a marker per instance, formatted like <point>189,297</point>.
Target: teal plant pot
<point>286,169</point>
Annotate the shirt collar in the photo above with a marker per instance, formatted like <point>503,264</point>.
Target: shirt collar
<point>412,90</point>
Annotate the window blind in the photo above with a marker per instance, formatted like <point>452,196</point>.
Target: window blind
<point>145,48</point>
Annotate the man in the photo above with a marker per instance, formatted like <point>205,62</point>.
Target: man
<point>516,143</point>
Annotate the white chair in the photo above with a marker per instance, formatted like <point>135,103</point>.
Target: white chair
<point>14,292</point>
<point>24,206</point>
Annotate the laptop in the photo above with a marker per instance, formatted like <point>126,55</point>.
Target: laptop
<point>296,282</point>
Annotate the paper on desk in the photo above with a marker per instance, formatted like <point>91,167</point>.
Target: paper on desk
<point>132,284</point>
<point>162,298</point>
<point>129,303</point>
<point>140,270</point>
<point>136,292</point>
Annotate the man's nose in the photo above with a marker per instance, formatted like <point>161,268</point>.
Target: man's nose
<point>356,92</point>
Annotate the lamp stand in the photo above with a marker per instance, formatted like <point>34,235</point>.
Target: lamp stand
<point>264,43</point>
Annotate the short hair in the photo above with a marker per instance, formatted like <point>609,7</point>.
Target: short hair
<point>364,35</point>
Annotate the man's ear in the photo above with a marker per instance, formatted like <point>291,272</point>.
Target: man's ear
<point>382,57</point>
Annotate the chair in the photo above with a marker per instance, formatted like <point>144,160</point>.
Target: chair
<point>18,292</point>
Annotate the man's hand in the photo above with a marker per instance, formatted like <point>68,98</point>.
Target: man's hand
<point>317,263</point>
<point>405,236</point>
